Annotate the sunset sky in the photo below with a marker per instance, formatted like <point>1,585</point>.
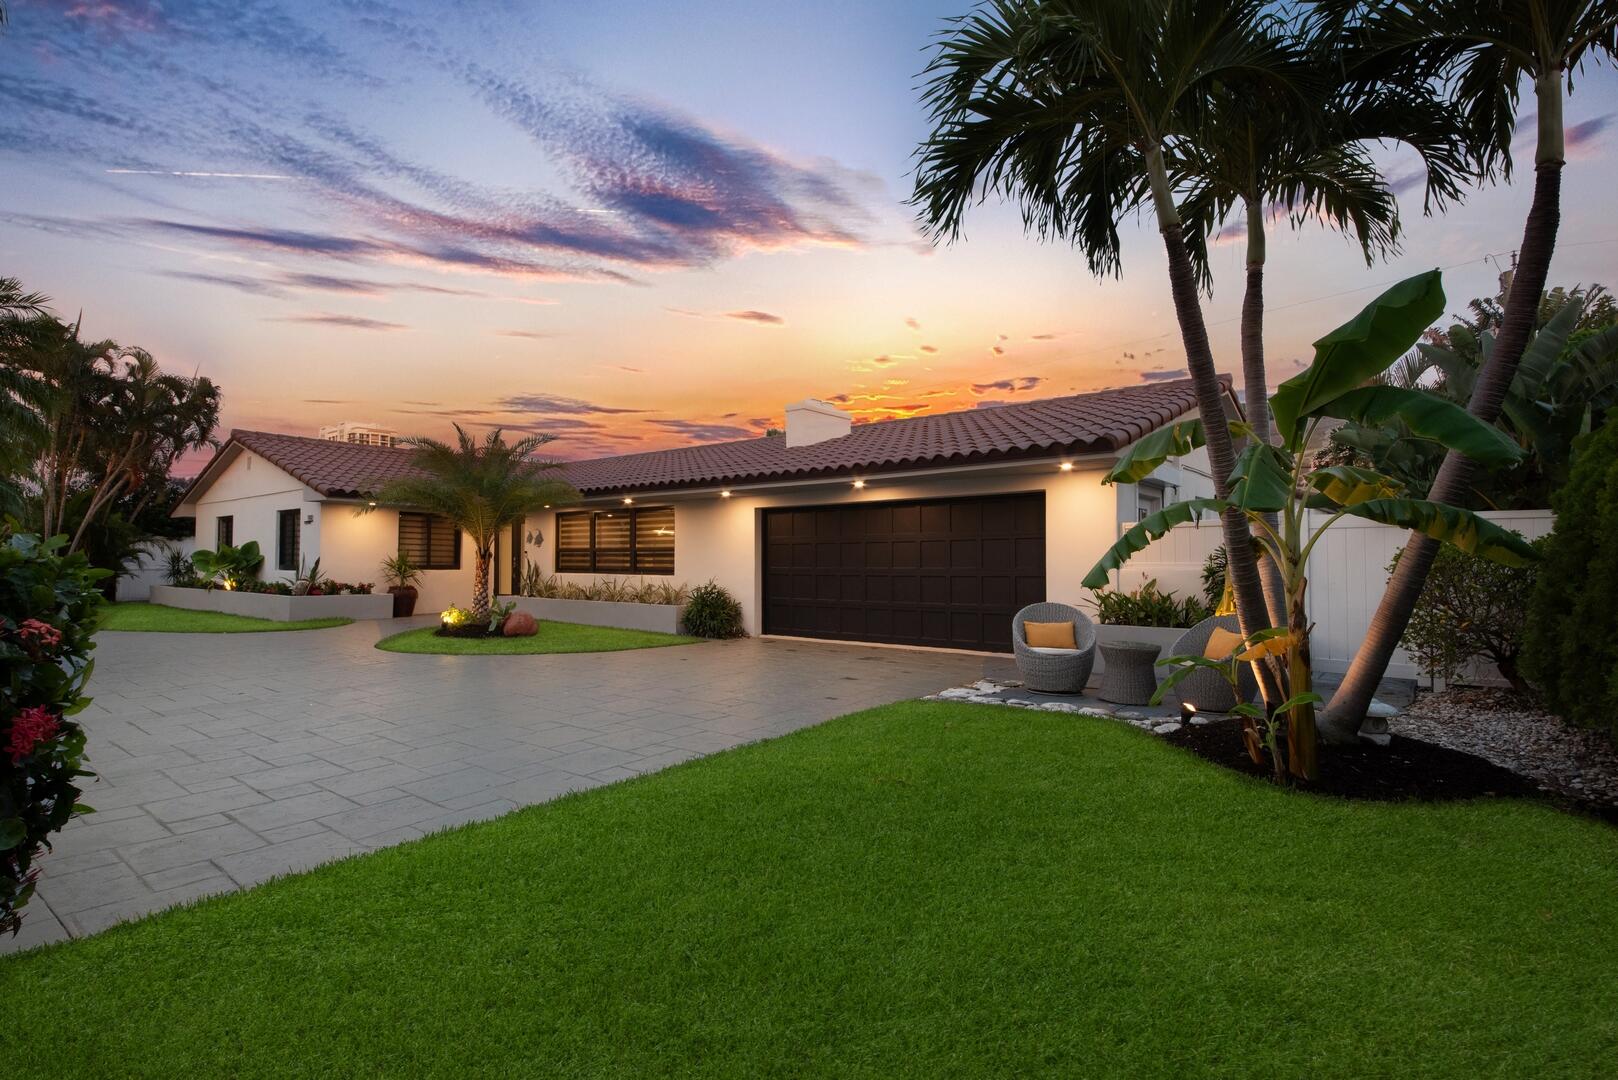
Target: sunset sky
<point>635,225</point>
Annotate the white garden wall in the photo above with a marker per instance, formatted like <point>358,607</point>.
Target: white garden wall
<point>1347,573</point>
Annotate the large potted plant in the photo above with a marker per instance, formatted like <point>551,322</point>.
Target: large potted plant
<point>402,576</point>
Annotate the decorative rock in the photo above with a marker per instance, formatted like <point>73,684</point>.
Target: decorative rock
<point>519,624</point>
<point>1381,709</point>
<point>1166,729</point>
<point>1122,715</point>
<point>1097,712</point>
<point>1377,738</point>
<point>1200,719</point>
<point>1059,706</point>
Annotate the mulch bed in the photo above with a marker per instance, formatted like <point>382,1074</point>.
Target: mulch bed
<point>1406,770</point>
<point>473,630</point>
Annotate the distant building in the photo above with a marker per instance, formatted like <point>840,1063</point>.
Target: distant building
<point>364,434</point>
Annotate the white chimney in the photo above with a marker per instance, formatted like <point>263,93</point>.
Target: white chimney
<point>811,421</point>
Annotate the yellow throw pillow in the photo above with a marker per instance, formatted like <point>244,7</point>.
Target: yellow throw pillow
<point>1049,635</point>
<point>1221,643</point>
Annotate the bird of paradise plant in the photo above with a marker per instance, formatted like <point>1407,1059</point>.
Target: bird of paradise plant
<point>1278,479</point>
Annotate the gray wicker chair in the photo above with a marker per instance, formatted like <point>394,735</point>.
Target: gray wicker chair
<point>1063,672</point>
<point>1207,690</point>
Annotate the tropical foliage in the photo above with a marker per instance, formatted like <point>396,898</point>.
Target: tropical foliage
<point>1280,480</point>
<point>48,603</point>
<point>89,433</point>
<point>536,583</point>
<point>1148,605</point>
<point>229,567</point>
<point>1571,652</point>
<point>1566,385</point>
<point>483,487</point>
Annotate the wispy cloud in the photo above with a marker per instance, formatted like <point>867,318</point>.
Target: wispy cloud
<point>1164,375</point>
<point>345,322</point>
<point>1008,386</point>
<point>557,405</point>
<point>700,431</point>
<point>756,317</point>
<point>532,335</point>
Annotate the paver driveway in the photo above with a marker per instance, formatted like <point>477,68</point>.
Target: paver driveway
<point>226,759</point>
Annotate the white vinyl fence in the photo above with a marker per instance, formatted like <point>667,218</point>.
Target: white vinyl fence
<point>1347,572</point>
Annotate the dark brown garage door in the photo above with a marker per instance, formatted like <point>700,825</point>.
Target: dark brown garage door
<point>943,572</point>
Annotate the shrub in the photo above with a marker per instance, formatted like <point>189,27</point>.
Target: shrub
<point>47,612</point>
<point>1571,647</point>
<point>1147,605</point>
<point>1470,608</point>
<point>711,612</point>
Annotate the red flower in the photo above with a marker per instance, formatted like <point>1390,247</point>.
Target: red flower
<point>31,727</point>
<point>38,637</point>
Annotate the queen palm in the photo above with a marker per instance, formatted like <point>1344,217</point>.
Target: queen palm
<point>1301,150</point>
<point>1481,51</point>
<point>1069,108</point>
<point>483,487</point>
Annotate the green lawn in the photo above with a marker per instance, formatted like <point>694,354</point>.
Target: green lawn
<point>927,890</point>
<point>553,637</point>
<point>172,620</point>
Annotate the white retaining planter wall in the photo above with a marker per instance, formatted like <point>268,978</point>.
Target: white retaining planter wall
<point>273,606</point>
<point>659,618</point>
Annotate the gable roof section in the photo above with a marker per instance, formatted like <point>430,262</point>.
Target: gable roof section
<point>1102,422</point>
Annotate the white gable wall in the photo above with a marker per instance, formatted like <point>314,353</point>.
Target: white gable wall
<point>353,545</point>
<point>252,491</point>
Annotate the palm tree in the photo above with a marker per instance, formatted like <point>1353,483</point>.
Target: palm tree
<point>1262,150</point>
<point>1480,51</point>
<point>1069,108</point>
<point>482,487</point>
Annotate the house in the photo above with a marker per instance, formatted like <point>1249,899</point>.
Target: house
<point>929,531</point>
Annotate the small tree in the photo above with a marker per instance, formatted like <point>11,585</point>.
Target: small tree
<point>1471,609</point>
<point>482,487</point>
<point>1572,644</point>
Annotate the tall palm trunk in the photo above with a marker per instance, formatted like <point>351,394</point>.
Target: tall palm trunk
<point>480,588</point>
<point>1256,390</point>
<point>1349,704</point>
<point>1241,566</point>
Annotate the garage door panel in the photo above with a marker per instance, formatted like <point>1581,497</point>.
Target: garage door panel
<point>948,572</point>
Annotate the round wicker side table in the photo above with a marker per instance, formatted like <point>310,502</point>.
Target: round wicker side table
<point>1130,675</point>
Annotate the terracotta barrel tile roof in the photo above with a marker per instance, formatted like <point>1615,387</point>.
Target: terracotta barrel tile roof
<point>1104,421</point>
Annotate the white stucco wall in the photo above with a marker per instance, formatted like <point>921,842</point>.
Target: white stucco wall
<point>353,545</point>
<point>252,491</point>
<point>719,538</point>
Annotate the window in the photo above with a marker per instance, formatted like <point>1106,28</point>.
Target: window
<point>431,542</point>
<point>1148,500</point>
<point>639,541</point>
<point>225,532</point>
<point>286,539</point>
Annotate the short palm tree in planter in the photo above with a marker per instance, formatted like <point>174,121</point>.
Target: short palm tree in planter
<point>404,579</point>
<point>483,487</point>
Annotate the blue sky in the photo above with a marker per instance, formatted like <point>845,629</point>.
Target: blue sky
<point>633,224</point>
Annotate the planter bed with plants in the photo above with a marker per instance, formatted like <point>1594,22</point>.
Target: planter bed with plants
<point>707,610</point>
<point>548,637</point>
<point>1147,614</point>
<point>657,618</point>
<point>275,606</point>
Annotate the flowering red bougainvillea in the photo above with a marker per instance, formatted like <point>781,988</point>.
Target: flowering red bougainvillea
<point>47,614</point>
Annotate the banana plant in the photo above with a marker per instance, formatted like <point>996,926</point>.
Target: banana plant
<point>1280,479</point>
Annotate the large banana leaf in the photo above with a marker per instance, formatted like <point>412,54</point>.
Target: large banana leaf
<point>1346,485</point>
<point>1451,524</point>
<point>1151,527</point>
<point>1261,479</point>
<point>1150,451</point>
<point>1428,415</point>
<point>1359,349</point>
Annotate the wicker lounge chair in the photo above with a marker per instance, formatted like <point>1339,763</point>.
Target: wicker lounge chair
<point>1055,671</point>
<point>1207,690</point>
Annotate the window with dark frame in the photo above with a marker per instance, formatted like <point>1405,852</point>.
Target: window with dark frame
<point>225,532</point>
<point>430,541</point>
<point>638,541</point>
<point>286,539</point>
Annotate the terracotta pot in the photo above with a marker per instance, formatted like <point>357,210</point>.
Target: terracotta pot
<point>404,600</point>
